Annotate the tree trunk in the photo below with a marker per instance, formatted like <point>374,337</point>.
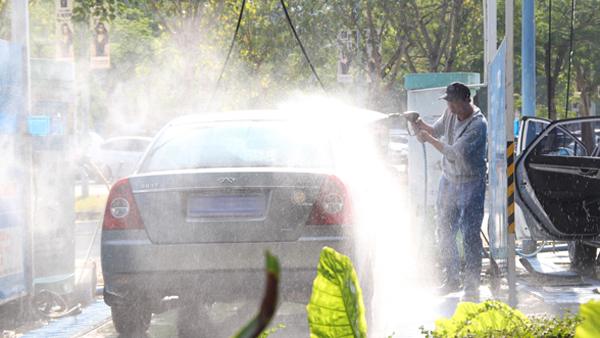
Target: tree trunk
<point>582,85</point>
<point>552,74</point>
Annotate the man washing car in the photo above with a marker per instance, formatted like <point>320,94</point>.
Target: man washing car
<point>461,194</point>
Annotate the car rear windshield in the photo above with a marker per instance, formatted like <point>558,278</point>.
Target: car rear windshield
<point>239,144</point>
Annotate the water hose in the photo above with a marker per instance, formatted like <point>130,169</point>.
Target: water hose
<point>412,116</point>
<point>533,253</point>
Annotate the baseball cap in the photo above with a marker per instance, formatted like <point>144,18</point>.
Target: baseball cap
<point>456,91</point>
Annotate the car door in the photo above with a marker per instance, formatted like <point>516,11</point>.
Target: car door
<point>530,128</point>
<point>558,180</point>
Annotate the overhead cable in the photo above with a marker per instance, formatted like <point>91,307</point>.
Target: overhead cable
<point>302,47</point>
<point>228,55</point>
<point>570,56</point>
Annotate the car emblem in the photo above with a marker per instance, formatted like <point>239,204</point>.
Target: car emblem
<point>226,180</point>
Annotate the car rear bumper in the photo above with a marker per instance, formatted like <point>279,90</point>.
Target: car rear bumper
<point>133,265</point>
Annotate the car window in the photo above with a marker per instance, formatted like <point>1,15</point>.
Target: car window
<point>570,139</point>
<point>530,129</point>
<point>240,144</point>
<point>112,145</point>
<point>138,145</point>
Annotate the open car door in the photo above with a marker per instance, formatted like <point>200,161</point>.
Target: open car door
<point>530,128</point>
<point>558,180</point>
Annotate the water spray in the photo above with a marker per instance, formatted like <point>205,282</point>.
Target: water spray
<point>413,116</point>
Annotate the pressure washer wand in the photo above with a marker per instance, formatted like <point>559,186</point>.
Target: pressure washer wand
<point>410,116</point>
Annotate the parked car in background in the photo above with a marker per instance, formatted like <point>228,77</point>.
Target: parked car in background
<point>116,157</point>
<point>557,174</point>
<point>92,139</point>
<point>214,192</point>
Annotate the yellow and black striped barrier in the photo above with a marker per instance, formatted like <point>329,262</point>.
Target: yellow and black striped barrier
<point>510,152</point>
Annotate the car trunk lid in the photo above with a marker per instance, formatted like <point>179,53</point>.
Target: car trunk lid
<point>237,206</point>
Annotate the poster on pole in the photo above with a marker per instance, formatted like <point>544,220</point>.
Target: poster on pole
<point>64,29</point>
<point>345,47</point>
<point>498,209</point>
<point>100,45</point>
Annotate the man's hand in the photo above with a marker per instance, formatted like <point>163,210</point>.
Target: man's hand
<point>422,136</point>
<point>417,125</point>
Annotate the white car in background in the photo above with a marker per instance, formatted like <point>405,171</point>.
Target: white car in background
<point>116,157</point>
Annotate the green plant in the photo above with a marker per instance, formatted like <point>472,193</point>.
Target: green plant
<point>336,307</point>
<point>268,332</point>
<point>91,203</point>
<point>269,304</point>
<point>496,319</point>
<point>591,326</point>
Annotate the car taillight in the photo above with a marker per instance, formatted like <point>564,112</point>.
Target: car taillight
<point>121,212</point>
<point>332,205</point>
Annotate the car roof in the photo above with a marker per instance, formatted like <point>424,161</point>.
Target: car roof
<point>338,115</point>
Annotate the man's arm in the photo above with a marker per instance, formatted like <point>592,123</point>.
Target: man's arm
<point>424,136</point>
<point>462,147</point>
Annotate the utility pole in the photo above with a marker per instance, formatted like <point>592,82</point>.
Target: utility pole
<point>528,64</point>
<point>85,105</point>
<point>20,35</point>
<point>510,153</point>
<point>359,89</point>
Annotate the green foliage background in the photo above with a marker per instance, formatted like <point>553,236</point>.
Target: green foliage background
<point>166,55</point>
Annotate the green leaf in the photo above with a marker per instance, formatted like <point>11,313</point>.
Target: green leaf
<point>482,317</point>
<point>591,326</point>
<point>336,307</point>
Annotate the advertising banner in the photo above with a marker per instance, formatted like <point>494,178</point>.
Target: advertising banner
<point>100,45</point>
<point>345,47</point>
<point>64,29</point>
<point>13,222</point>
<point>497,173</point>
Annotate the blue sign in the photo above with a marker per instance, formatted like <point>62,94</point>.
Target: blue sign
<point>13,222</point>
<point>497,196</point>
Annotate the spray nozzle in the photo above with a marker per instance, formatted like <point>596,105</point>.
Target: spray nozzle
<point>410,116</point>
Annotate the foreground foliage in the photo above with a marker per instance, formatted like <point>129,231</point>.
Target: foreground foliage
<point>336,307</point>
<point>269,304</point>
<point>496,319</point>
<point>591,326</point>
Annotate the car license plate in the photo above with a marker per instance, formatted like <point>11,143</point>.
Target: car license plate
<point>217,205</point>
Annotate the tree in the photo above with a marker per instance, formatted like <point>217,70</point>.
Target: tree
<point>587,66</point>
<point>5,20</point>
<point>190,26</point>
<point>553,46</point>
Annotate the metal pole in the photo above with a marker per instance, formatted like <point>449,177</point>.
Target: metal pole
<point>492,32</point>
<point>510,138</point>
<point>85,104</point>
<point>359,93</point>
<point>528,66</point>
